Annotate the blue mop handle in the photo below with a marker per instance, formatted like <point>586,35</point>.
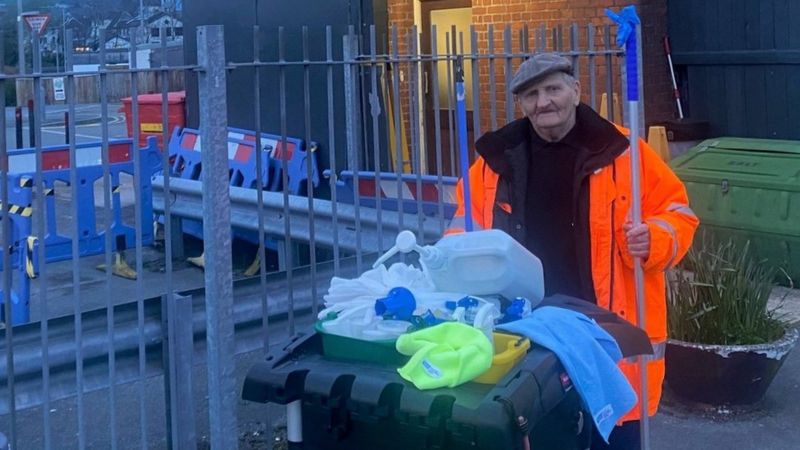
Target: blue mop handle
<point>461,123</point>
<point>627,21</point>
<point>632,66</point>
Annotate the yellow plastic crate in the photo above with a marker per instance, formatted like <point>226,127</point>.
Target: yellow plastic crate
<point>509,349</point>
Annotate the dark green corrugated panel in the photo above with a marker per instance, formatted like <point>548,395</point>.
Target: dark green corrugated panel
<point>750,189</point>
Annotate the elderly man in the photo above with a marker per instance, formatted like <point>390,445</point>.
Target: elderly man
<point>558,181</point>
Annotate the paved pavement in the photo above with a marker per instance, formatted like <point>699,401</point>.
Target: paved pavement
<point>768,425</point>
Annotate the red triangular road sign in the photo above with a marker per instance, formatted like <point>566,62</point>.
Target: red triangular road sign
<point>37,22</point>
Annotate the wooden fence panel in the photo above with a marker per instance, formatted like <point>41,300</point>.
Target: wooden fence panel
<point>118,86</point>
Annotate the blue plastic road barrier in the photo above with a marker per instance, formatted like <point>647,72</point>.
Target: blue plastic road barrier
<point>386,190</point>
<point>297,152</point>
<point>24,261</point>
<point>56,174</point>
<point>20,199</point>
<point>185,153</point>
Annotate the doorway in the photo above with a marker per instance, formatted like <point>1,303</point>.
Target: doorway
<point>439,86</point>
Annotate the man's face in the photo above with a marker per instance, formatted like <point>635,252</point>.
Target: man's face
<point>550,103</point>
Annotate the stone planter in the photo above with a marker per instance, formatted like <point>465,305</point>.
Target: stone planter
<point>725,374</point>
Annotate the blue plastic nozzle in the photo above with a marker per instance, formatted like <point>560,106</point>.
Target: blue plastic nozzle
<point>398,304</point>
<point>515,310</point>
<point>464,302</point>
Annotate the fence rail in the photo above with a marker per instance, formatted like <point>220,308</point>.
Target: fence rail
<point>118,86</point>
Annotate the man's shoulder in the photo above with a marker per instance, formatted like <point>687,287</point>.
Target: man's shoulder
<point>507,136</point>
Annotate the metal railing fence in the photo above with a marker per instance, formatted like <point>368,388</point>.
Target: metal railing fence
<point>122,354</point>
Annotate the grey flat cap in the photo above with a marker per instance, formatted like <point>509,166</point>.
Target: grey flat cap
<point>537,67</point>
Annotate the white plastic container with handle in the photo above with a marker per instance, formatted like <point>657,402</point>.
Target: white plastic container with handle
<point>477,263</point>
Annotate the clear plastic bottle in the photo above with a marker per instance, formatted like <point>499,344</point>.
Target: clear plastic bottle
<point>477,263</point>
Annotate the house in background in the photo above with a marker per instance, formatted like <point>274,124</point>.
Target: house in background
<point>116,43</point>
<point>173,27</point>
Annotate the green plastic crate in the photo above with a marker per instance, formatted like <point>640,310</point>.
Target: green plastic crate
<point>350,349</point>
<point>748,189</point>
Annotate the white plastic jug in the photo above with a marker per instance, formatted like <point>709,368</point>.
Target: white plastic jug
<point>477,263</point>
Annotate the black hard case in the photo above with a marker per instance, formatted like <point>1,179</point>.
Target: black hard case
<point>355,406</point>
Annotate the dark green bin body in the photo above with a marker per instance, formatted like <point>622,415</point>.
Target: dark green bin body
<point>748,189</point>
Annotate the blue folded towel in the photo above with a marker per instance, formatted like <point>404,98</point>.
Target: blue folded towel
<point>588,354</point>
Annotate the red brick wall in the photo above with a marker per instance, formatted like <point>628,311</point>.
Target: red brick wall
<point>552,13</point>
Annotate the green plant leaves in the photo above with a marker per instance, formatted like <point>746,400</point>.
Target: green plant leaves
<point>723,299</point>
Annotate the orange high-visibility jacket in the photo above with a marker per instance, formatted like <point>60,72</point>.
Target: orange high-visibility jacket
<point>603,205</point>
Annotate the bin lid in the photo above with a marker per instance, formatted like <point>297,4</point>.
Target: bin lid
<point>155,99</point>
<point>756,163</point>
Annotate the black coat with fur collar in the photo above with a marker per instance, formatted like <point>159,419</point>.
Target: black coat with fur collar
<point>507,152</point>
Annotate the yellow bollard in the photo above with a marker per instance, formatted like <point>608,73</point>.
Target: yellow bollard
<point>657,139</point>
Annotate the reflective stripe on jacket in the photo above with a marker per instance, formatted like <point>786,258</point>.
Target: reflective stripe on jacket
<point>665,209</point>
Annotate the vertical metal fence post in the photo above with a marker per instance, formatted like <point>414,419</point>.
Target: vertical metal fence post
<point>18,120</point>
<point>437,124</point>
<point>31,116</point>
<point>541,39</point>
<point>178,352</point>
<point>136,128</point>
<point>476,94</point>
<point>332,143</point>
<point>450,48</point>
<point>260,155</point>
<point>573,47</point>
<point>37,112</point>
<point>394,63</point>
<point>6,243</point>
<point>375,111</point>
<point>492,84</point>
<point>592,79</point>
<point>217,233</point>
<point>609,74</point>
<point>353,125</point>
<point>107,223</point>
<point>351,95</point>
<point>509,97</point>
<point>285,247</point>
<point>309,179</point>
<point>415,119</point>
<point>76,271</point>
